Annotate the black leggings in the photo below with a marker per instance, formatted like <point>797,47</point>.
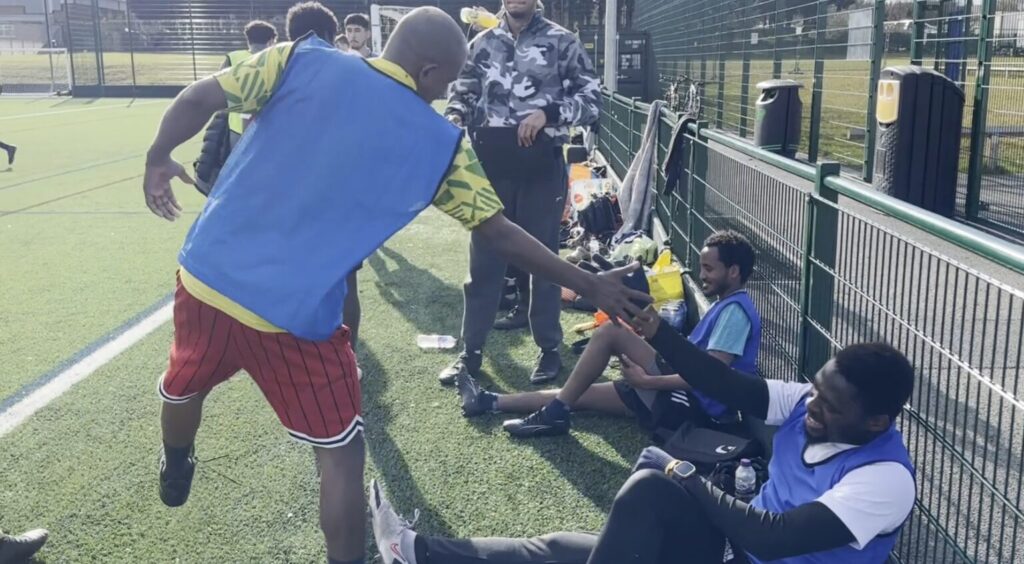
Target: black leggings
<point>653,521</point>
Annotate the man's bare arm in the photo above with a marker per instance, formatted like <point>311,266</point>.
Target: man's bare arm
<point>606,291</point>
<point>184,118</point>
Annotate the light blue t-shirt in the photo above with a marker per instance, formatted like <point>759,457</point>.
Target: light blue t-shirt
<point>731,331</point>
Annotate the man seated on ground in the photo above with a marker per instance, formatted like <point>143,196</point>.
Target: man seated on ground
<point>650,391</point>
<point>841,485</point>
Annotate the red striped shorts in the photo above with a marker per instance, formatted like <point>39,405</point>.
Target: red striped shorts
<point>312,386</point>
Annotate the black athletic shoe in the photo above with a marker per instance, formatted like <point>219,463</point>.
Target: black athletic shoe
<point>467,363</point>
<point>176,482</point>
<point>549,364</point>
<point>537,424</point>
<point>509,295</point>
<point>518,318</point>
<point>11,150</point>
<point>474,400</point>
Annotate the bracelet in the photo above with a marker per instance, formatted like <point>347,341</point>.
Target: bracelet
<point>671,466</point>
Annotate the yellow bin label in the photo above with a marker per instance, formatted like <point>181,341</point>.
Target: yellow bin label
<point>888,108</point>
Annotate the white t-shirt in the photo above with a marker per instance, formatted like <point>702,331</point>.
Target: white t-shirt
<point>871,500</point>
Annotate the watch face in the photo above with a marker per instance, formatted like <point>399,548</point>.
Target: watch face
<point>684,470</point>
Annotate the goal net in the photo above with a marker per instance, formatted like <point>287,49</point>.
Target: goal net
<point>383,20</point>
<point>34,71</point>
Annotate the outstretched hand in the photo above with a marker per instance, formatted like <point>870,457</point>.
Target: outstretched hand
<point>156,185</point>
<point>619,292</point>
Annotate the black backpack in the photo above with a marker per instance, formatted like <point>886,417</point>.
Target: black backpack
<point>602,216</point>
<point>213,154</point>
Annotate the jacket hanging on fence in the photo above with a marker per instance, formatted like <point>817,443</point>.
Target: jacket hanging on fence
<point>636,198</point>
<point>677,155</point>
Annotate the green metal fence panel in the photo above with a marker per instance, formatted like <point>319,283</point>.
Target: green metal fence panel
<point>836,48</point>
<point>828,276</point>
<point>996,188</point>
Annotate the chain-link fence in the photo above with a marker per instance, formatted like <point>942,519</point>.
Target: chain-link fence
<point>829,275</point>
<point>835,50</point>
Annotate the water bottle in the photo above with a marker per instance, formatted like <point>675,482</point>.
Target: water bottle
<point>746,481</point>
<point>674,313</point>
<point>435,341</point>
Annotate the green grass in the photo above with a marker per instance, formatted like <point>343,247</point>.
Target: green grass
<point>149,68</point>
<point>83,264</point>
<point>85,466</point>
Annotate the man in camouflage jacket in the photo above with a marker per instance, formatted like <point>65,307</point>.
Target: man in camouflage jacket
<point>533,77</point>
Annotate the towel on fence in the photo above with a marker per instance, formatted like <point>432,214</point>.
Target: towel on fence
<point>636,196</point>
<point>678,155</point>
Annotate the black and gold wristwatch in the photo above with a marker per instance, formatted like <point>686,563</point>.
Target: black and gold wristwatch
<point>680,470</point>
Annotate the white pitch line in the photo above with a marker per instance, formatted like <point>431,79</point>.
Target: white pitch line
<point>40,398</point>
<point>90,109</point>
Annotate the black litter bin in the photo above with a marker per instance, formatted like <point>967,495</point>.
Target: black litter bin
<point>777,122</point>
<point>920,119</point>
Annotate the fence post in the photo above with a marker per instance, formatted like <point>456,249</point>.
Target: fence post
<point>71,46</point>
<point>605,127</point>
<point>696,229</point>
<point>817,285</point>
<point>877,52</point>
<point>131,44</point>
<point>49,44</point>
<point>192,39</point>
<point>744,94</point>
<point>979,117</point>
<point>720,105</point>
<point>98,43</point>
<point>817,87</point>
<point>776,55</point>
<point>632,131</point>
<point>918,38</point>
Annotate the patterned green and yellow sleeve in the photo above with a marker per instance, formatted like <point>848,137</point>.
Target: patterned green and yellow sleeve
<point>467,194</point>
<point>248,84</point>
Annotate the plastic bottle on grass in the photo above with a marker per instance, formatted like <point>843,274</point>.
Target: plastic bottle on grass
<point>746,481</point>
<point>427,342</point>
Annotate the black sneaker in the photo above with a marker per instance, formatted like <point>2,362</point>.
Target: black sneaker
<point>549,364</point>
<point>518,318</point>
<point>508,302</point>
<point>467,363</point>
<point>474,400</point>
<point>176,483</point>
<point>537,424</point>
<point>10,154</point>
<point>509,295</point>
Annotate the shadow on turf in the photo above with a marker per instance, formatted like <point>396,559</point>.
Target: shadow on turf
<point>427,302</point>
<point>596,478</point>
<point>387,457</point>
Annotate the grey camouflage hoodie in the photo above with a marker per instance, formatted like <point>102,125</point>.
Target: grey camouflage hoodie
<point>506,78</point>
